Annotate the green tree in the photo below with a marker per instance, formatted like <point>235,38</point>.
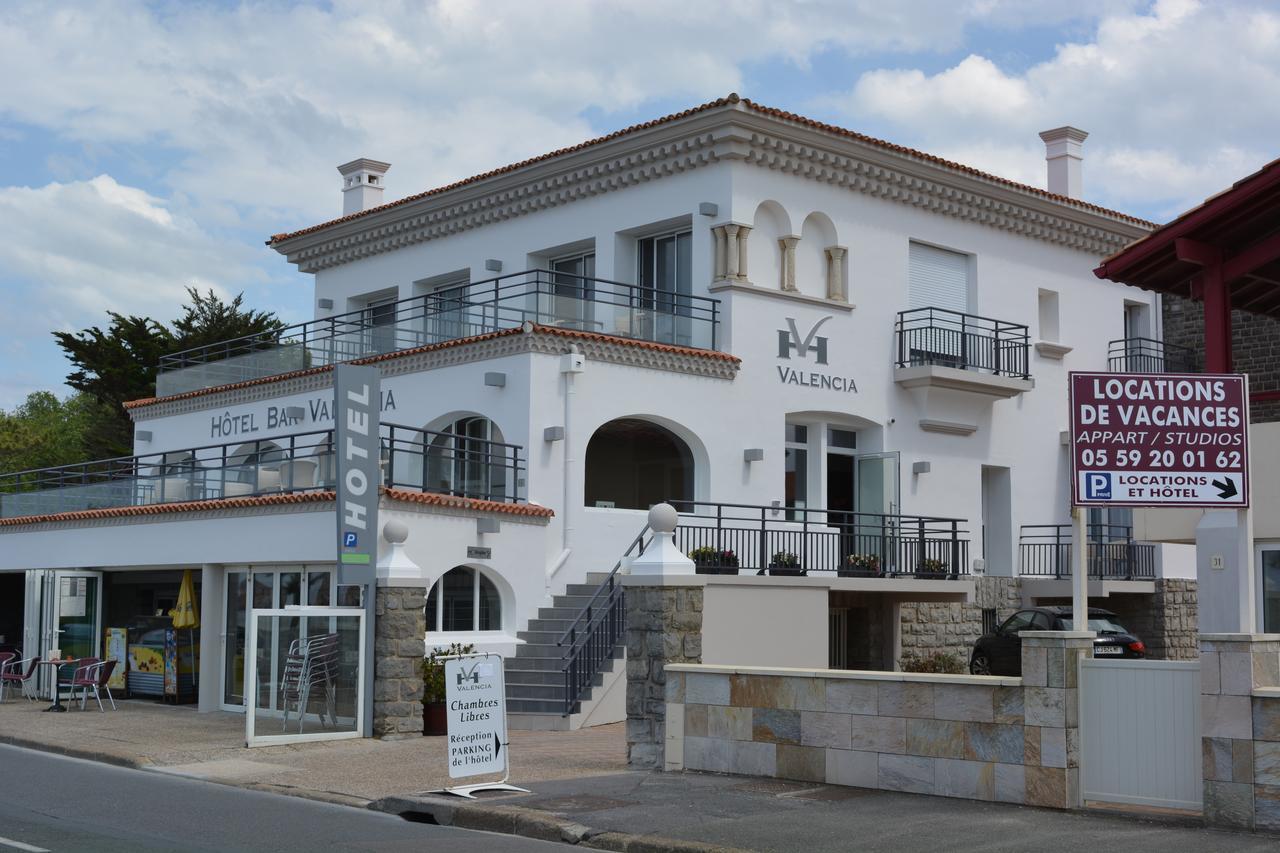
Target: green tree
<point>118,364</point>
<point>43,431</point>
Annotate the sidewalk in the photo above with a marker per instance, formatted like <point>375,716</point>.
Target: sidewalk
<point>583,794</point>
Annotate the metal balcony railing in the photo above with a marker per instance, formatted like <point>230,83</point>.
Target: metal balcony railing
<point>743,538</point>
<point>537,296</point>
<point>1045,551</point>
<point>419,460</point>
<point>936,336</point>
<point>1147,355</point>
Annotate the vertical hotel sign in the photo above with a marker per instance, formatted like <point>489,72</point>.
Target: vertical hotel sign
<point>356,448</point>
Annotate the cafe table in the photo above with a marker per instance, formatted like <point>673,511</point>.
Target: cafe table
<point>56,695</point>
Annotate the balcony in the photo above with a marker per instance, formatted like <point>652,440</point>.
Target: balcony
<point>416,460</point>
<point>957,364</point>
<point>1147,355</point>
<point>747,539</point>
<point>1045,552</point>
<point>537,296</point>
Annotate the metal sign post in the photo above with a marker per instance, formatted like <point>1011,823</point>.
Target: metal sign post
<point>476,700</point>
<point>357,451</point>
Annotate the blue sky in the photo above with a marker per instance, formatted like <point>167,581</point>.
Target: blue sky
<point>147,147</point>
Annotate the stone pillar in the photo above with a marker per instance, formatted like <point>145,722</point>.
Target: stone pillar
<point>718,233</point>
<point>1051,706</point>
<point>744,231</point>
<point>1240,730</point>
<point>731,257</point>
<point>788,245</point>
<point>664,625</point>
<point>399,646</point>
<point>835,273</point>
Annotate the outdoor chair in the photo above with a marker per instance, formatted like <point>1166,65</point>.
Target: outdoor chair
<point>311,665</point>
<point>80,675</point>
<point>96,677</point>
<point>19,672</point>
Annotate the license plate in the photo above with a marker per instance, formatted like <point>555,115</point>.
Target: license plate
<point>1108,650</point>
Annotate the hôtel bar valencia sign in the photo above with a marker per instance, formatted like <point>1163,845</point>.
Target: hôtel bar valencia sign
<point>1143,439</point>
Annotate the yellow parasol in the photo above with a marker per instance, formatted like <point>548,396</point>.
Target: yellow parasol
<point>187,615</point>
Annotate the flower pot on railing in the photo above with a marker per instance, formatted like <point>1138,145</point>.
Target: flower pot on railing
<point>932,570</point>
<point>714,561</point>
<point>860,566</point>
<point>784,564</point>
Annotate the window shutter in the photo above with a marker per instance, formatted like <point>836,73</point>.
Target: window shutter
<point>938,279</point>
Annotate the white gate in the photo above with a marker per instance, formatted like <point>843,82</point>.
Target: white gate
<point>1140,732</point>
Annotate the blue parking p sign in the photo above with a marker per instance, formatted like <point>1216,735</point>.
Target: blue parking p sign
<point>349,539</point>
<point>1097,486</point>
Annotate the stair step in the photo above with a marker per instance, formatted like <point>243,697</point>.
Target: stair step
<point>537,722</point>
<point>580,590</point>
<point>558,614</point>
<point>539,706</point>
<point>597,578</point>
<point>534,676</point>
<point>535,691</point>
<point>540,637</point>
<point>540,650</point>
<point>556,626</point>
<point>535,663</point>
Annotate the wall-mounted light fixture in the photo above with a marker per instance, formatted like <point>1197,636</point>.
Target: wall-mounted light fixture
<point>295,413</point>
<point>1064,438</point>
<point>142,435</point>
<point>495,380</point>
<point>776,507</point>
<point>555,433</point>
<point>325,303</point>
<point>493,265</point>
<point>486,524</point>
<point>921,467</point>
<point>708,208</point>
<point>753,454</point>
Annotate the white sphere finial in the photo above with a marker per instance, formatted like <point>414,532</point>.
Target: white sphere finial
<point>663,518</point>
<point>395,532</point>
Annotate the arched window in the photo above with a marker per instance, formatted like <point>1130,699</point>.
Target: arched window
<point>463,460</point>
<point>634,464</point>
<point>464,600</point>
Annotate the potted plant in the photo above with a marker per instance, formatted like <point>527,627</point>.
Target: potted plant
<point>714,561</point>
<point>434,716</point>
<point>785,564</point>
<point>930,568</point>
<point>860,566</point>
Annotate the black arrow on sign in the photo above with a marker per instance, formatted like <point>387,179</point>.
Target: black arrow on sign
<point>497,746</point>
<point>1226,488</point>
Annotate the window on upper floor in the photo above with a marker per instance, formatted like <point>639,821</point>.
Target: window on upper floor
<point>937,278</point>
<point>666,264</point>
<point>1047,302</point>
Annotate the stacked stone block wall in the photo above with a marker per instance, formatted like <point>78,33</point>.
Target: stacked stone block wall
<point>1255,347</point>
<point>398,650</point>
<point>953,627</point>
<point>975,738</point>
<point>664,625</point>
<point>1240,725</point>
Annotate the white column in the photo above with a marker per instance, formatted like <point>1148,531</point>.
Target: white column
<point>744,231</point>
<point>212,608</point>
<point>731,254</point>
<point>662,557</point>
<point>835,273</point>
<point>788,245</point>
<point>718,231</point>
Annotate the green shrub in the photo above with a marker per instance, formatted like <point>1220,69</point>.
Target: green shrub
<point>433,671</point>
<point>949,663</point>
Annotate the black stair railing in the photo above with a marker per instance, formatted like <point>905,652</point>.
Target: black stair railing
<point>594,633</point>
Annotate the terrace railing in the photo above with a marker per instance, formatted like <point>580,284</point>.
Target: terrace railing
<point>748,539</point>
<point>537,296</point>
<point>1045,551</point>
<point>1147,355</point>
<point>936,336</point>
<point>420,460</point>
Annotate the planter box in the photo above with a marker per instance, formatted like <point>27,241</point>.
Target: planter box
<point>713,569</point>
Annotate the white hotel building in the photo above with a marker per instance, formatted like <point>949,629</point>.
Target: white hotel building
<point>815,344</point>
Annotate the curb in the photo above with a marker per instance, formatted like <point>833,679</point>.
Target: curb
<point>74,752</point>
<point>532,823</point>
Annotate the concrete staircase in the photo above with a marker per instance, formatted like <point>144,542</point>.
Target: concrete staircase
<point>535,682</point>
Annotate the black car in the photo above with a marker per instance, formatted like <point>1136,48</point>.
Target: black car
<point>1001,653</point>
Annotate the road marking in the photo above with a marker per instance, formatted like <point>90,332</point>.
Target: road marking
<point>18,845</point>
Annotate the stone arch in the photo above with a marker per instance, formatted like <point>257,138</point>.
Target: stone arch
<point>813,263</point>
<point>484,603</point>
<point>635,461</point>
<point>764,255</point>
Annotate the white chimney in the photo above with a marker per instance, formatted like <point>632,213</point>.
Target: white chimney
<point>1063,149</point>
<point>362,184</point>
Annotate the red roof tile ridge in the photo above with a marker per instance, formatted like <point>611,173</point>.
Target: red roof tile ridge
<point>601,337</point>
<point>730,100</point>
<point>457,502</point>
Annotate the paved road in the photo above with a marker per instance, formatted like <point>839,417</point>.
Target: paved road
<point>48,802</point>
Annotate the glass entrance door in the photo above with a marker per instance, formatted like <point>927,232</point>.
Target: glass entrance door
<point>70,615</point>
<point>1269,566</point>
<point>876,500</point>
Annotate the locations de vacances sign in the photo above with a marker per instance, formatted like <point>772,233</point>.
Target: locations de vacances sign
<point>1159,439</point>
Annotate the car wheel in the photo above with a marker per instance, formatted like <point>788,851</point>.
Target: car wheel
<point>980,664</point>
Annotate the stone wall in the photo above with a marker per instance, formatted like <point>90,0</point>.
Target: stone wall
<point>1240,697</point>
<point>1255,347</point>
<point>983,738</point>
<point>949,626</point>
<point>664,625</point>
<point>398,650</point>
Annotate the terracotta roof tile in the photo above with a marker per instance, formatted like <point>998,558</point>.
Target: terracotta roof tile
<point>732,99</point>
<point>424,498</point>
<point>376,359</point>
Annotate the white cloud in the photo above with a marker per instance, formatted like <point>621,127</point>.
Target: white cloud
<point>1179,101</point>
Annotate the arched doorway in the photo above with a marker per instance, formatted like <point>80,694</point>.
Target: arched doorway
<point>634,464</point>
